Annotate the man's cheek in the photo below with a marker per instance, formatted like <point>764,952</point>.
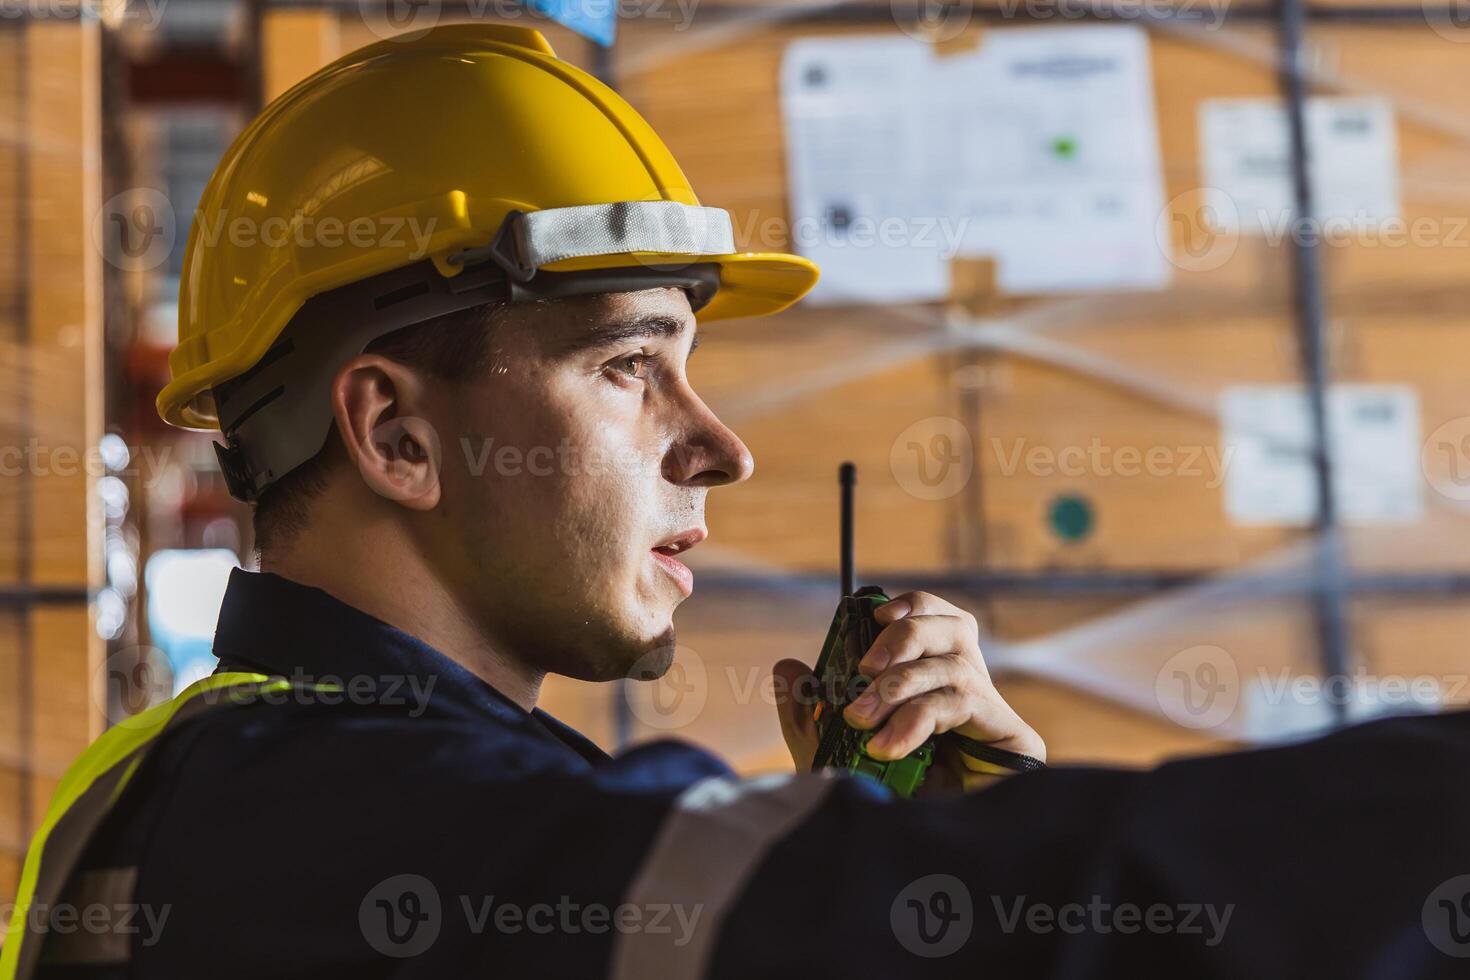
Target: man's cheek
<point>597,475</point>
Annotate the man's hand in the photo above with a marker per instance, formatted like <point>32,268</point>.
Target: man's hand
<point>929,676</point>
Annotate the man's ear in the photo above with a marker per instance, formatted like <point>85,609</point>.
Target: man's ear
<point>378,406</point>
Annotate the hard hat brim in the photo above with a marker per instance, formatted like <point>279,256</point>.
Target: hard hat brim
<point>759,284</point>
<point>751,284</point>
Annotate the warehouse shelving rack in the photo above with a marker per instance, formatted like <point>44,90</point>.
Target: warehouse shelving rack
<point>1332,584</point>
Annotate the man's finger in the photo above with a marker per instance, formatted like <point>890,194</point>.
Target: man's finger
<point>922,604</point>
<point>916,720</point>
<point>917,636</point>
<point>905,681</point>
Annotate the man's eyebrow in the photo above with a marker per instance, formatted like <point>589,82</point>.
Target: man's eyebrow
<point>604,334</point>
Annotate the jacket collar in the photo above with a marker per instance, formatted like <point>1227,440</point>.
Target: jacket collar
<point>272,625</point>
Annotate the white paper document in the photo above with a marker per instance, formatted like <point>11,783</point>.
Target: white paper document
<point>1352,152</point>
<point>1039,149</point>
<point>863,204</point>
<point>1055,151</point>
<point>1269,475</point>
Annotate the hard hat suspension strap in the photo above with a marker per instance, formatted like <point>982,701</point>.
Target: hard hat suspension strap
<point>278,414</point>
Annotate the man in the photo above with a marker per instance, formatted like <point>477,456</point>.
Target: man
<point>367,787</point>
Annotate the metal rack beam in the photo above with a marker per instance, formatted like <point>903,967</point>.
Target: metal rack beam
<point>1100,583</point>
<point>1045,11</point>
<point>1333,625</point>
<point>22,597</point>
<point>1060,12</point>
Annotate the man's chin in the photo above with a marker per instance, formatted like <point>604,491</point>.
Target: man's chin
<point>655,661</point>
<point>619,659</point>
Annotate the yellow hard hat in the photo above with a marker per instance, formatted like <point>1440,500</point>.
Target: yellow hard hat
<point>469,146</point>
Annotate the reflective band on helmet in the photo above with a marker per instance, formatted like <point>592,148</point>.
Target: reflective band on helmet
<point>528,240</point>
<point>627,226</point>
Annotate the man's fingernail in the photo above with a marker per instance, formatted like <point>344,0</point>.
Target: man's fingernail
<point>875,663</point>
<point>896,608</point>
<point>867,702</point>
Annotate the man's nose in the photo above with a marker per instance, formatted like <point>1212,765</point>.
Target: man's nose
<point>708,453</point>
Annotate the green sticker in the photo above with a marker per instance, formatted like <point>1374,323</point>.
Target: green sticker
<point>1070,517</point>
<point>1064,147</point>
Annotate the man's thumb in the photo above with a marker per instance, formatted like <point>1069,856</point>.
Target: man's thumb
<point>796,690</point>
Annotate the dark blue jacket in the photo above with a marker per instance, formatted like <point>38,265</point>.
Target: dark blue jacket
<point>383,833</point>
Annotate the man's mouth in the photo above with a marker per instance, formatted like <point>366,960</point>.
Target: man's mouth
<point>664,552</point>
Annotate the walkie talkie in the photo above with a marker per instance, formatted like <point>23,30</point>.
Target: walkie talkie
<point>853,630</point>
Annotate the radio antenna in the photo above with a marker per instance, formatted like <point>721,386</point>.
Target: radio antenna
<point>847,476</point>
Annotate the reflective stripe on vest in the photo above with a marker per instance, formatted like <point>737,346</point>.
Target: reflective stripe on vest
<point>715,837</point>
<point>83,798</point>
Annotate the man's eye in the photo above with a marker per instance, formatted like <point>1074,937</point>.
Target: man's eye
<point>634,365</point>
